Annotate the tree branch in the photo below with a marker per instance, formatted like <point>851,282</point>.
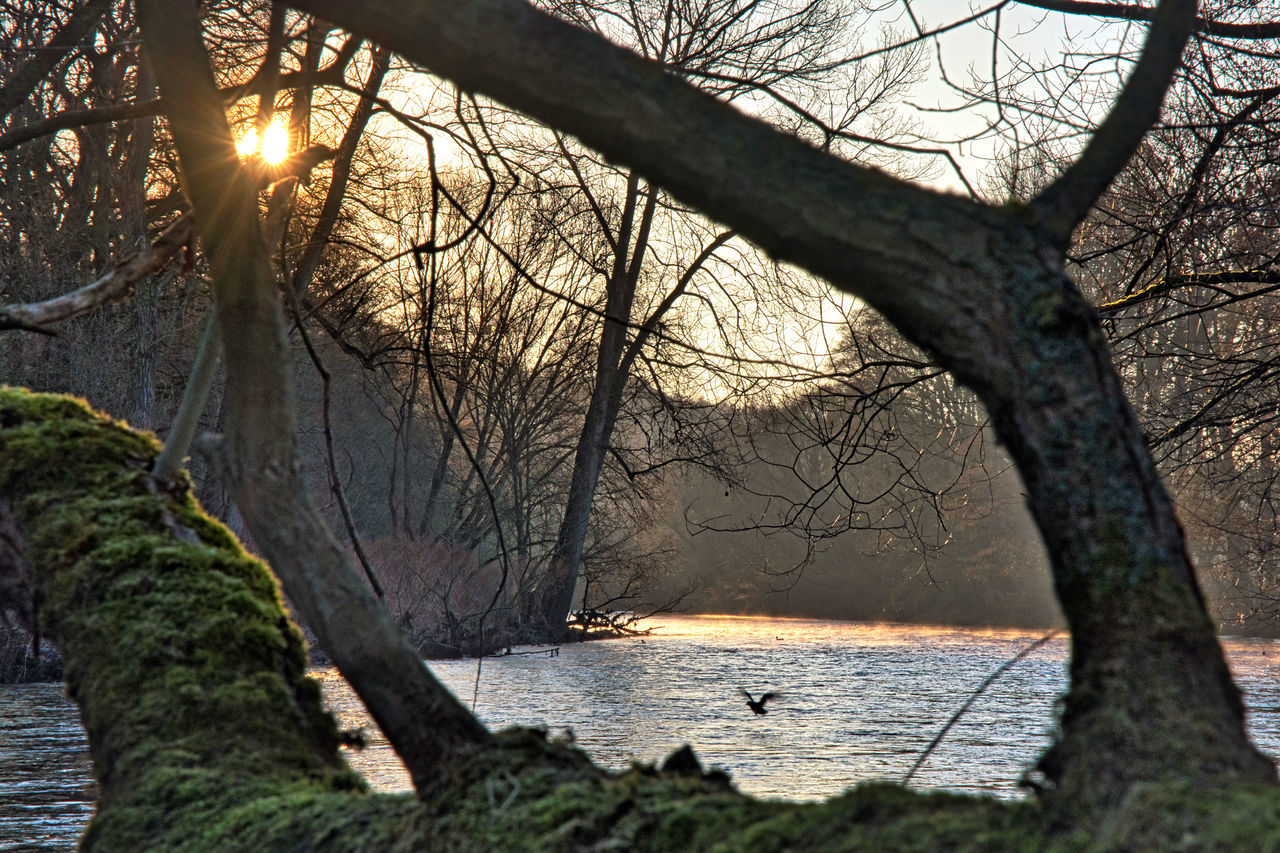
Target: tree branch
<point>18,87</point>
<point>1064,203</point>
<point>112,287</point>
<point>1130,12</point>
<point>118,283</point>
<point>1171,283</point>
<point>319,238</point>
<point>69,119</point>
<point>841,221</point>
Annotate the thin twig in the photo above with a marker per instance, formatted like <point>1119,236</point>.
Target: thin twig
<point>335,482</point>
<point>991,679</point>
<point>194,396</point>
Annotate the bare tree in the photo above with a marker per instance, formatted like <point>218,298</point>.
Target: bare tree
<point>1180,257</point>
<point>1152,710</point>
<point>984,291</point>
<point>650,255</point>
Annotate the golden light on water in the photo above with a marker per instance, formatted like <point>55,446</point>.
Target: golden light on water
<point>272,147</point>
<point>730,628</point>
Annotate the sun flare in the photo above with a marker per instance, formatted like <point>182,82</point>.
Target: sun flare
<point>275,143</point>
<point>248,143</point>
<point>272,146</point>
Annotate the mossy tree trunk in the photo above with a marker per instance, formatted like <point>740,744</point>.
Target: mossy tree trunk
<point>189,677</point>
<point>205,733</point>
<point>984,290</point>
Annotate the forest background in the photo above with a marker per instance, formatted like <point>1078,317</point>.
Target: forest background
<point>531,382</point>
<point>190,678</point>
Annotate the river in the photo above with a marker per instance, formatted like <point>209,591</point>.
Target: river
<point>858,702</point>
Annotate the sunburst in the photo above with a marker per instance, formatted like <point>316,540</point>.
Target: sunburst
<point>272,146</point>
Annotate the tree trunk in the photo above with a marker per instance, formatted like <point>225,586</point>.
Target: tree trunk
<point>982,290</point>
<point>427,725</point>
<point>554,595</point>
<point>1151,696</point>
<point>207,735</point>
<point>133,208</point>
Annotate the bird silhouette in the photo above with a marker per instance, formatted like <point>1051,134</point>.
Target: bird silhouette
<point>757,706</point>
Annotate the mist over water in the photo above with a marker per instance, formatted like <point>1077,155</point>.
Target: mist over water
<point>992,571</point>
<point>859,702</point>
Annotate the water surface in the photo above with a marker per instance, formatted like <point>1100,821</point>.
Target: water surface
<point>859,702</point>
<point>46,792</point>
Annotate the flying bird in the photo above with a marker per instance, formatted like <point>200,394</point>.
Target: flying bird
<point>757,706</point>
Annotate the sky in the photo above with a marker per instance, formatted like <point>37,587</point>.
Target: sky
<point>1027,37</point>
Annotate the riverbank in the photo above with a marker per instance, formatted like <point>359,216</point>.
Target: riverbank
<point>25,661</point>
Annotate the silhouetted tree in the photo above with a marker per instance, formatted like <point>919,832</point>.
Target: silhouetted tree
<point>1152,712</point>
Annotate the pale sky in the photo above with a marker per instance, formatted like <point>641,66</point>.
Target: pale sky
<point>1030,35</point>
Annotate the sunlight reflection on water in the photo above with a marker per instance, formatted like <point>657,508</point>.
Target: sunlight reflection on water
<point>858,702</point>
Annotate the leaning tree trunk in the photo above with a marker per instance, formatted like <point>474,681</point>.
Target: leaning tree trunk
<point>553,597</point>
<point>554,594</point>
<point>426,724</point>
<point>206,733</point>
<point>189,677</point>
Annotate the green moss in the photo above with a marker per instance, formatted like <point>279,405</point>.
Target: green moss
<point>646,811</point>
<point>190,678</point>
<point>1182,816</point>
<point>207,735</point>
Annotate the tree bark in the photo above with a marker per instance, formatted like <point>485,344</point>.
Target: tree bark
<point>555,591</point>
<point>1151,697</point>
<point>425,723</point>
<point>207,735</point>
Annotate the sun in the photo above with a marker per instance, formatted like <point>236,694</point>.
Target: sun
<point>275,143</point>
<point>272,146</point>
